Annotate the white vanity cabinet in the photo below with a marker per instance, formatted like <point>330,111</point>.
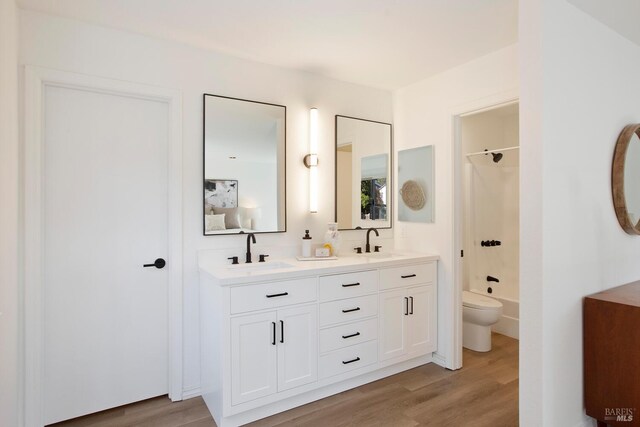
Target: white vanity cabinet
<point>408,309</point>
<point>279,339</point>
<point>348,318</point>
<point>273,351</point>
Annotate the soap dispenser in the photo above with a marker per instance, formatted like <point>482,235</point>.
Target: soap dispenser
<point>306,245</point>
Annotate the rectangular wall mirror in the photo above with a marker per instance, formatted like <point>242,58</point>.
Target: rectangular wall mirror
<point>244,166</point>
<point>363,173</point>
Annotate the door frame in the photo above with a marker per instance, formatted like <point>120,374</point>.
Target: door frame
<point>37,79</point>
<point>485,104</point>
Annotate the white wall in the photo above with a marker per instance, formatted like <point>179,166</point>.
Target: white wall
<point>73,46</point>
<point>423,115</point>
<point>9,365</point>
<point>582,88</point>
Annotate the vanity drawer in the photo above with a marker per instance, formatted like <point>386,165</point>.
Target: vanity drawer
<point>407,275</point>
<point>275,294</point>
<point>348,310</point>
<point>349,334</point>
<point>348,285</point>
<point>348,359</point>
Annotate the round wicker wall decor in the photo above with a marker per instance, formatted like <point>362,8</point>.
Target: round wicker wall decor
<point>413,195</point>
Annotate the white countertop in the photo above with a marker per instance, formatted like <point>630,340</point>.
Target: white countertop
<point>289,268</point>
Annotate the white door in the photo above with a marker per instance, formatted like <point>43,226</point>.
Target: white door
<point>105,188</point>
<point>421,321</point>
<point>297,346</point>
<point>254,340</point>
<point>393,311</point>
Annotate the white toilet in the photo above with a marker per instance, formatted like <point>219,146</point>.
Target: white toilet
<point>478,314</point>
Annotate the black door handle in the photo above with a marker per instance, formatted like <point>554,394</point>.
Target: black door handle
<point>282,331</point>
<point>273,341</point>
<point>159,263</point>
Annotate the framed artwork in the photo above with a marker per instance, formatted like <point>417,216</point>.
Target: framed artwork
<point>220,193</point>
<point>415,184</point>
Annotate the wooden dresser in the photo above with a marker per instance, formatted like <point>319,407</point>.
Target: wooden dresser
<point>612,356</point>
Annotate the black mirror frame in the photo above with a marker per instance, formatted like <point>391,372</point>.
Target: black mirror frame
<point>335,175</point>
<point>204,116</point>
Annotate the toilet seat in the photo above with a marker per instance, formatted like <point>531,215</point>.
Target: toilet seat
<point>479,302</point>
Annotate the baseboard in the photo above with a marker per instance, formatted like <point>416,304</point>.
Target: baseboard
<point>191,392</point>
<point>509,326</point>
<point>439,360</point>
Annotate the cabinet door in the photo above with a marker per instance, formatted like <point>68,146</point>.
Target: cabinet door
<point>421,322</point>
<point>253,357</point>
<point>297,346</point>
<point>392,315</point>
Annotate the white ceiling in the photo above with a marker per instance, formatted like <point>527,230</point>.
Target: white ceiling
<point>381,43</point>
<point>619,15</point>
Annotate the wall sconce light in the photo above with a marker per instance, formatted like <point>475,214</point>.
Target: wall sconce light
<point>311,160</point>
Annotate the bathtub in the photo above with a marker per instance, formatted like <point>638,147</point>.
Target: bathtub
<point>509,322</point>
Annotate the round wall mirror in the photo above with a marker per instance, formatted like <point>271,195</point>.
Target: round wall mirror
<point>626,179</point>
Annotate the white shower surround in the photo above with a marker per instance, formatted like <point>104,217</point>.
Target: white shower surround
<point>493,198</point>
<point>491,206</point>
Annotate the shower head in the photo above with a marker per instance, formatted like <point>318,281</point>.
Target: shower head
<point>496,156</point>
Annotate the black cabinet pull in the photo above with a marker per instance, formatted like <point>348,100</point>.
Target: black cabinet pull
<point>351,309</point>
<point>351,284</point>
<point>406,306</point>
<point>411,311</point>
<point>350,361</point>
<point>351,336</point>
<point>158,263</point>
<point>278,295</point>
<point>407,276</point>
<point>282,331</point>
<point>273,341</point>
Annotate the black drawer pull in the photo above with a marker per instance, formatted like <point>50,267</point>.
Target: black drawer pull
<point>411,300</point>
<point>407,276</point>
<point>351,284</point>
<point>278,295</point>
<point>406,306</point>
<point>351,336</point>
<point>350,361</point>
<point>273,342</point>
<point>351,309</point>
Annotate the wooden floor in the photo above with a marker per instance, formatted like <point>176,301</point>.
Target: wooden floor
<point>483,393</point>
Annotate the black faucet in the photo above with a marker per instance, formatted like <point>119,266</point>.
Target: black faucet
<point>367,247</point>
<point>250,237</point>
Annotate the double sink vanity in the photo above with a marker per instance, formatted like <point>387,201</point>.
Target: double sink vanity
<point>282,333</point>
<point>279,333</point>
